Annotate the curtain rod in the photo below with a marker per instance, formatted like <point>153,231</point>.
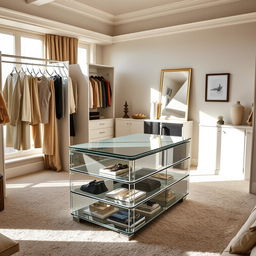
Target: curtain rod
<point>32,64</point>
<point>30,58</point>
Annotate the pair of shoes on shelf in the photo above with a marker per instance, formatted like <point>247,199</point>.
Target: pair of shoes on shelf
<point>116,167</point>
<point>94,187</point>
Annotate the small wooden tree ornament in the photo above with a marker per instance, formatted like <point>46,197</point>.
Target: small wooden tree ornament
<point>126,110</point>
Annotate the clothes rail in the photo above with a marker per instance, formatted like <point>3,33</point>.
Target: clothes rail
<point>33,64</point>
<point>30,58</point>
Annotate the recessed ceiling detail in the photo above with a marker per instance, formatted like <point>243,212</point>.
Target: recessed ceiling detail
<point>118,12</point>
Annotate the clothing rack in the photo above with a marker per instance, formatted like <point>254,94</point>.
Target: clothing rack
<point>32,58</point>
<point>63,124</point>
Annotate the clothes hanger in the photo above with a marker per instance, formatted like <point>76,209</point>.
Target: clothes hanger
<point>14,70</point>
<point>28,71</point>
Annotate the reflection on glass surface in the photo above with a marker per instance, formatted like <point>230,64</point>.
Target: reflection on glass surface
<point>174,87</point>
<point>131,147</point>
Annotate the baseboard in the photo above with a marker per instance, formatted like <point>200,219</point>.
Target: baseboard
<point>15,168</point>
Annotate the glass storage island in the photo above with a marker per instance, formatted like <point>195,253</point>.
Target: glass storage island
<point>125,182</point>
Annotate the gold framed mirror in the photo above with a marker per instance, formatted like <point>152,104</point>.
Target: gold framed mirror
<point>174,94</point>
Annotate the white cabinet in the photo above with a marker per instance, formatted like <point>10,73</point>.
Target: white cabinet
<point>232,151</point>
<point>208,147</point>
<point>87,130</point>
<point>225,150</point>
<point>101,129</point>
<point>127,126</point>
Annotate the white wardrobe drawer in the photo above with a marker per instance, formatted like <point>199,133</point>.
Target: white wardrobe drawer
<point>101,123</point>
<point>100,133</point>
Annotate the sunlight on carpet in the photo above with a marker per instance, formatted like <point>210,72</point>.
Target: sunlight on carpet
<point>65,235</point>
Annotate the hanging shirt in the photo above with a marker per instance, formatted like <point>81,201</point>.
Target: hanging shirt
<point>4,116</point>
<point>17,97</point>
<point>44,95</point>
<point>58,96</point>
<point>72,105</point>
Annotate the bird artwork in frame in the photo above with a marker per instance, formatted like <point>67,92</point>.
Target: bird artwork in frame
<point>217,87</point>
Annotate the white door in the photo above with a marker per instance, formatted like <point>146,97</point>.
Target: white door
<point>232,152</point>
<point>123,128</point>
<point>137,127</point>
<point>248,154</point>
<point>208,147</point>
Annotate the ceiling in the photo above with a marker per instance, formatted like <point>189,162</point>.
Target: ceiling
<point>117,7</point>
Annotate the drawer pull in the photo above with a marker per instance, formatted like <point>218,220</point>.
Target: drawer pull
<point>102,132</point>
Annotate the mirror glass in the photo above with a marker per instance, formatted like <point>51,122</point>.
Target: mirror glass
<point>174,93</point>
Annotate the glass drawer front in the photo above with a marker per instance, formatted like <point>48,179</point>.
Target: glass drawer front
<point>123,194</point>
<point>124,170</point>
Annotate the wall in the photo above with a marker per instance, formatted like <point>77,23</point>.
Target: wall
<point>228,49</point>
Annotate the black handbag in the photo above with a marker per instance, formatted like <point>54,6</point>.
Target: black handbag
<point>94,187</point>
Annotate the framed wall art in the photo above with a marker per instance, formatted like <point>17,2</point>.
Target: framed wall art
<point>217,87</point>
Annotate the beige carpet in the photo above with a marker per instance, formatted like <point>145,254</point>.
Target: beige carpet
<point>37,214</point>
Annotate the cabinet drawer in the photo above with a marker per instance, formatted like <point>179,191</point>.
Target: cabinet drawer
<point>101,133</point>
<point>101,123</point>
<point>171,129</point>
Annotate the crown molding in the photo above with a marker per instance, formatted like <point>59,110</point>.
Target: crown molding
<point>85,10</point>
<point>201,25</point>
<point>149,13</point>
<point>23,21</point>
<point>168,9</point>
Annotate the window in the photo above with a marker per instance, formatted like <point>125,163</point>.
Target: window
<point>22,44</point>
<point>32,47</point>
<point>83,58</point>
<point>7,46</point>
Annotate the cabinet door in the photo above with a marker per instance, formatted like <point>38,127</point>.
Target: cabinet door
<point>208,148</point>
<point>137,127</point>
<point>248,155</point>
<point>232,152</point>
<point>171,129</point>
<point>123,128</point>
<point>152,128</point>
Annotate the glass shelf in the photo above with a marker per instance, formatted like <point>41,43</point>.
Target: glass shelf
<point>136,170</point>
<point>130,147</point>
<point>77,182</point>
<point>82,213</point>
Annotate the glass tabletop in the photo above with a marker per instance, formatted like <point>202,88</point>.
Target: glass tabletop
<point>130,147</point>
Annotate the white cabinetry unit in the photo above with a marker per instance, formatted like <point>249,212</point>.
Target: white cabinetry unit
<point>127,126</point>
<point>101,129</point>
<point>225,150</point>
<point>87,130</point>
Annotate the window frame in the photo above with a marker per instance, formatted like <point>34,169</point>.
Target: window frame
<point>17,51</point>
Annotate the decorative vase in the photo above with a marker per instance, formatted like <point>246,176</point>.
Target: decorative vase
<point>237,111</point>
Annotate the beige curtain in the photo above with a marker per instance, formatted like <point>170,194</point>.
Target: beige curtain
<point>61,48</point>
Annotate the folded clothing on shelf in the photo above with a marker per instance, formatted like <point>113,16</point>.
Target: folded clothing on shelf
<point>124,219</point>
<point>163,176</point>
<point>143,171</point>
<point>146,185</point>
<point>94,187</point>
<point>165,196</point>
<point>115,170</point>
<point>148,208</point>
<point>100,210</point>
<point>126,195</point>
